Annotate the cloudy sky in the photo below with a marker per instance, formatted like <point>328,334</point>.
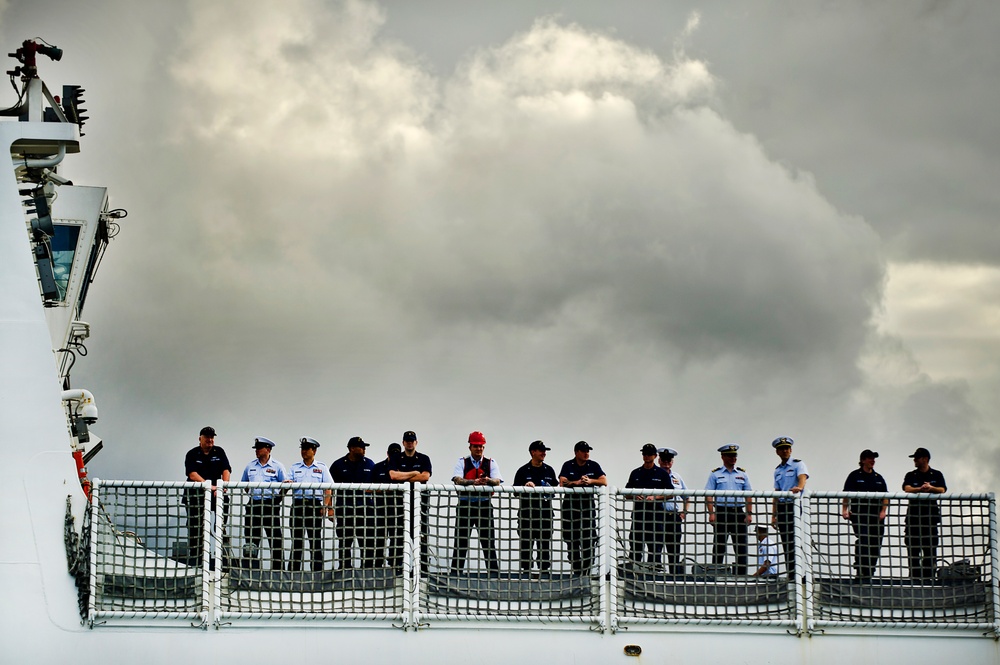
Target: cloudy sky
<point>620,222</point>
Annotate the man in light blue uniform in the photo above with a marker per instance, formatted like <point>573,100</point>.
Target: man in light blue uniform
<point>767,554</point>
<point>309,506</point>
<point>789,476</point>
<point>727,513</point>
<point>264,507</point>
<point>676,509</point>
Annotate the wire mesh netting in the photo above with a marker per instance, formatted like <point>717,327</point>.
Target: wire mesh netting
<point>583,555</point>
<point>891,558</point>
<point>512,552</point>
<point>697,556</point>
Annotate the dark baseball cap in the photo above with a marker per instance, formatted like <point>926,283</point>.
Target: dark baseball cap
<point>582,445</point>
<point>409,435</point>
<point>648,449</point>
<point>866,453</point>
<point>394,449</point>
<point>537,445</point>
<point>207,431</point>
<point>356,442</point>
<point>921,452</point>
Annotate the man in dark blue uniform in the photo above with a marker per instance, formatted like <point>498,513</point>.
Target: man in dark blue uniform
<point>648,515</point>
<point>923,515</point>
<point>388,513</point>
<point>204,462</point>
<point>578,513</point>
<point>414,467</point>
<point>355,508</point>
<point>534,515</point>
<point>867,516</point>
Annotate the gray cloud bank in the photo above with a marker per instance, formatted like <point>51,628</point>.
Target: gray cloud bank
<point>564,238</point>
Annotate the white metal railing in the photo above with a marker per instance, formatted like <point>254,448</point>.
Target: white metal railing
<point>409,556</point>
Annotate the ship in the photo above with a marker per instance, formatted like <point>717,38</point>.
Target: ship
<point>113,570</point>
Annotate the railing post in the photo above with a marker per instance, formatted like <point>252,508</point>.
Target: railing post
<point>603,524</point>
<point>612,584</point>
<point>804,563</point>
<point>408,556</point>
<point>95,506</point>
<point>995,566</point>
<point>206,551</point>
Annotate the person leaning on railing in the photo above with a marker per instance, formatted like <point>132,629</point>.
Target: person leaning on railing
<point>534,515</point>
<point>579,517</point>
<point>789,476</point>
<point>206,461</point>
<point>923,515</point>
<point>676,510</point>
<point>867,516</point>
<point>475,510</point>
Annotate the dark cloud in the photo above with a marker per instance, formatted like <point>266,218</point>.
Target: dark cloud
<point>570,233</point>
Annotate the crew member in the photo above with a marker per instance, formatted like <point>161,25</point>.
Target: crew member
<point>676,509</point>
<point>867,516</point>
<point>204,462</point>
<point>579,518</point>
<point>648,515</point>
<point>730,514</point>
<point>789,476</point>
<point>534,516</point>
<point>355,507</point>
<point>923,515</point>
<point>309,507</point>
<point>264,506</point>
<point>475,510</point>
<point>414,467</point>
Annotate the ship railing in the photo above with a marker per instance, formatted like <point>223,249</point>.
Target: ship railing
<point>502,554</point>
<point>133,570</point>
<point>931,563</point>
<point>671,564</point>
<point>600,558</point>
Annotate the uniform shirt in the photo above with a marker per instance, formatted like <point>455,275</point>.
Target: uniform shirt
<point>346,471</point>
<point>859,481</point>
<point>786,476</point>
<point>923,506</point>
<point>210,466</point>
<point>380,472</point>
<point>675,504</point>
<point>654,478</point>
<point>316,473</point>
<point>272,472</point>
<point>767,551</point>
<point>419,462</point>
<point>541,476</point>
<point>572,471</point>
<point>722,478</point>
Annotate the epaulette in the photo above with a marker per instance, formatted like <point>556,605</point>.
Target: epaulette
<point>740,468</point>
<point>716,469</point>
<point>796,460</point>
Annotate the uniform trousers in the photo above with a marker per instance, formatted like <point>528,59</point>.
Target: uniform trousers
<point>476,515</point>
<point>672,542</point>
<point>868,531</point>
<point>264,518</point>
<point>730,523</point>
<point>194,504</point>
<point>786,528</point>
<point>579,532</point>
<point>389,533</point>
<point>534,528</point>
<point>646,537</point>
<point>356,523</point>
<point>921,539</point>
<point>307,526</point>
